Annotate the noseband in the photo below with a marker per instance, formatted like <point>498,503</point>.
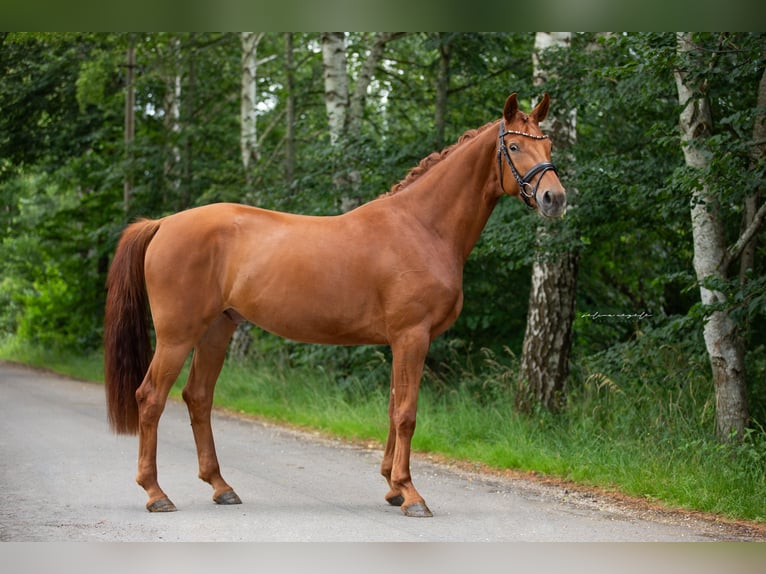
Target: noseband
<point>525,182</point>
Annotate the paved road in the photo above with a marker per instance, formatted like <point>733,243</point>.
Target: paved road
<point>65,477</point>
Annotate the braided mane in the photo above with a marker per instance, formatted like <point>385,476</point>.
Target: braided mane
<point>432,159</point>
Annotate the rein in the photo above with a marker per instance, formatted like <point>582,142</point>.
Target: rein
<point>524,181</point>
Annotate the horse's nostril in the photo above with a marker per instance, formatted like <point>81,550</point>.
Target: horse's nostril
<point>547,200</point>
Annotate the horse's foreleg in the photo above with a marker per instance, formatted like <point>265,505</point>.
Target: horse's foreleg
<point>409,354</point>
<point>209,355</point>
<point>151,397</point>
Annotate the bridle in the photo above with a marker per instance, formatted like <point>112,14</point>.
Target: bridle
<point>525,181</point>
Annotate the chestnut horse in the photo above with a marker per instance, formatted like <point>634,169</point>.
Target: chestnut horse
<point>389,272</point>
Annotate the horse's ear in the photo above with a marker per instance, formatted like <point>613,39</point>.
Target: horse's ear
<point>511,107</point>
<point>541,111</point>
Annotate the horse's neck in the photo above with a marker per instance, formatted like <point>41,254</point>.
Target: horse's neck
<point>456,196</point>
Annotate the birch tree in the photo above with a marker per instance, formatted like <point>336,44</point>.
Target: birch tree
<point>752,201</point>
<point>336,95</point>
<point>289,110</point>
<point>248,111</point>
<point>345,109</point>
<point>712,257</point>
<point>172,115</point>
<point>249,146</point>
<point>548,336</point>
<point>442,89</point>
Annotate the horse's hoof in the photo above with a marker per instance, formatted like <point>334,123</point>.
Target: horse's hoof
<point>396,500</point>
<point>161,505</point>
<point>228,497</point>
<point>417,510</point>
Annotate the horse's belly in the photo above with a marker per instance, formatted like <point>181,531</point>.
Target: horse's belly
<point>317,327</point>
<point>311,313</point>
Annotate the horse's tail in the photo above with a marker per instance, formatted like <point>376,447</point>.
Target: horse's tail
<point>127,345</point>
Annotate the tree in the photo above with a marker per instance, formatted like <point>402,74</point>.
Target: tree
<point>61,142</point>
<point>547,343</point>
<point>248,114</point>
<point>345,109</point>
<point>723,338</point>
<point>336,91</point>
<point>175,96</point>
<point>442,89</point>
<point>290,118</point>
<point>241,338</point>
<point>130,120</point>
<point>63,169</point>
<point>752,200</point>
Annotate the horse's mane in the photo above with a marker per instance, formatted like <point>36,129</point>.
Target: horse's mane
<point>432,159</point>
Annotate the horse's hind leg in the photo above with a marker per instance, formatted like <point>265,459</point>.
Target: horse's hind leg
<point>152,396</point>
<point>209,355</point>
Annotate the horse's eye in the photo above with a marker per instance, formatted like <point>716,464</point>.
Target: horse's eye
<point>513,147</point>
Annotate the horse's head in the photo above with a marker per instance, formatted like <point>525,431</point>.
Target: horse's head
<point>527,152</point>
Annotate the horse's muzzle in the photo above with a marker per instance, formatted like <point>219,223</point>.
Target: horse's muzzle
<point>552,203</point>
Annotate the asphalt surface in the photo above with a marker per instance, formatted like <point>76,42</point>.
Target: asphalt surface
<point>65,477</point>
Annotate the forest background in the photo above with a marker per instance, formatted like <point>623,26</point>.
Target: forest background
<point>99,129</point>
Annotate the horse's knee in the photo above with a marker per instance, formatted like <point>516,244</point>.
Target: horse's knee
<point>404,422</point>
<point>198,402</point>
<point>191,398</point>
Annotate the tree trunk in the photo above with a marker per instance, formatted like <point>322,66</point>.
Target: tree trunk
<point>188,119</point>
<point>335,82</point>
<point>130,123</point>
<point>290,111</point>
<point>337,105</point>
<point>752,201</point>
<point>722,339</point>
<point>242,339</point>
<point>548,337</point>
<point>547,343</point>
<point>442,91</point>
<point>359,97</point>
<point>345,111</point>
<point>248,119</point>
<point>172,123</point>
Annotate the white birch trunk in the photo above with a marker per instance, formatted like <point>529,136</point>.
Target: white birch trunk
<point>289,111</point>
<point>248,140</point>
<point>547,343</point>
<point>442,92</point>
<point>172,105</point>
<point>335,82</point>
<point>345,111</point>
<point>248,118</point>
<point>722,341</point>
<point>359,97</point>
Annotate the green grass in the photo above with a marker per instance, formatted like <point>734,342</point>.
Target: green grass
<point>643,441</point>
<point>86,367</point>
<point>303,398</point>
